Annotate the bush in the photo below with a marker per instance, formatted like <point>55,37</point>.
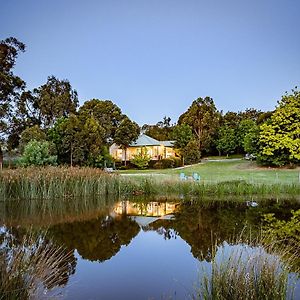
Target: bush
<point>167,163</point>
<point>191,153</point>
<point>37,154</point>
<point>142,159</point>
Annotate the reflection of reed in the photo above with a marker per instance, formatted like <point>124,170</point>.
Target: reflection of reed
<point>46,213</point>
<point>32,266</point>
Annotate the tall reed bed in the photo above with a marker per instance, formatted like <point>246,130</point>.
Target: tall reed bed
<point>31,267</point>
<point>62,182</point>
<point>248,272</point>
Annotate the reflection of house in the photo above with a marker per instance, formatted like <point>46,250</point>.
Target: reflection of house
<point>155,149</point>
<point>145,214</point>
<point>151,209</point>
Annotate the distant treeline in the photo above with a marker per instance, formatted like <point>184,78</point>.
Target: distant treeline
<point>46,125</point>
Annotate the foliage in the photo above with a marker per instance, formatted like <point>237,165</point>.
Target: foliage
<point>288,231</point>
<point>164,163</point>
<point>226,142</point>
<point>78,141</point>
<point>106,113</point>
<point>44,105</point>
<point>10,84</point>
<point>243,129</point>
<point>251,141</point>
<point>126,133</point>
<point>280,136</point>
<point>203,117</point>
<point>191,152</point>
<point>161,131</point>
<point>182,135</point>
<point>142,159</point>
<point>32,133</point>
<point>37,154</point>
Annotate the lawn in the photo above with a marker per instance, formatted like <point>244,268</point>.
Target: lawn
<point>227,170</point>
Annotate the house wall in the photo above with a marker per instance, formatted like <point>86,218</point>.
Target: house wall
<point>155,152</point>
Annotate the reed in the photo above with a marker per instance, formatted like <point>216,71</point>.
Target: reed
<point>249,271</point>
<point>32,267</point>
<point>65,183</point>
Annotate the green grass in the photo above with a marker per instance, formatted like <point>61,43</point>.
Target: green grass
<point>227,170</point>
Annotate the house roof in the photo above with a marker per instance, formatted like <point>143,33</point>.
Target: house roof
<point>167,143</point>
<point>145,140</point>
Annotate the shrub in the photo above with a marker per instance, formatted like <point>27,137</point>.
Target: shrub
<point>37,154</point>
<point>142,159</point>
<point>164,163</point>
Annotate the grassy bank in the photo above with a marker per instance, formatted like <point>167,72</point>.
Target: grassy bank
<point>59,182</point>
<point>228,170</point>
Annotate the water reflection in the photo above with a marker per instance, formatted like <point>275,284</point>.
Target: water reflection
<point>155,235</point>
<point>97,239</point>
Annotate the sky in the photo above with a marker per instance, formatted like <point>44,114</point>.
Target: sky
<point>154,57</point>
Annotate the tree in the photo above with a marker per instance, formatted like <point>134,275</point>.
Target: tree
<point>126,133</point>
<point>242,130</point>
<point>182,134</point>
<point>108,114</point>
<point>37,154</point>
<point>161,131</point>
<point>32,133</point>
<point>78,141</point>
<point>191,152</point>
<point>251,141</point>
<point>44,105</point>
<point>226,142</point>
<point>280,136</point>
<point>10,84</point>
<point>203,117</point>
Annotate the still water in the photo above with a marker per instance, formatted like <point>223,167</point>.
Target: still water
<point>138,249</point>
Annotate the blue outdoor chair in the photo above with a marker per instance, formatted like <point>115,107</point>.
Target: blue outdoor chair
<point>182,176</point>
<point>196,177</point>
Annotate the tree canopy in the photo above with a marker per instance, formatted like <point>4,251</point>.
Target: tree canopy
<point>280,136</point>
<point>202,116</point>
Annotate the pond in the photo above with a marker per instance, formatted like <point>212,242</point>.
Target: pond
<point>136,249</point>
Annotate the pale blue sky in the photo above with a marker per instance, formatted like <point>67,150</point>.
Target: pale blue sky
<point>154,57</point>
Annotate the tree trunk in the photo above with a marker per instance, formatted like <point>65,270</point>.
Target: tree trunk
<point>1,159</point>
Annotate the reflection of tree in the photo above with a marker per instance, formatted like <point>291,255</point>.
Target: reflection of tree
<point>97,239</point>
<point>201,226</point>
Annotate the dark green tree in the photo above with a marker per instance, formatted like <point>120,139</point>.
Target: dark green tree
<point>44,105</point>
<point>182,135</point>
<point>10,84</point>
<point>243,128</point>
<point>161,131</point>
<point>226,142</point>
<point>203,117</point>
<point>126,133</point>
<point>106,113</point>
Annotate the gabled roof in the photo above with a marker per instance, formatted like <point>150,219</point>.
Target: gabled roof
<point>145,140</point>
